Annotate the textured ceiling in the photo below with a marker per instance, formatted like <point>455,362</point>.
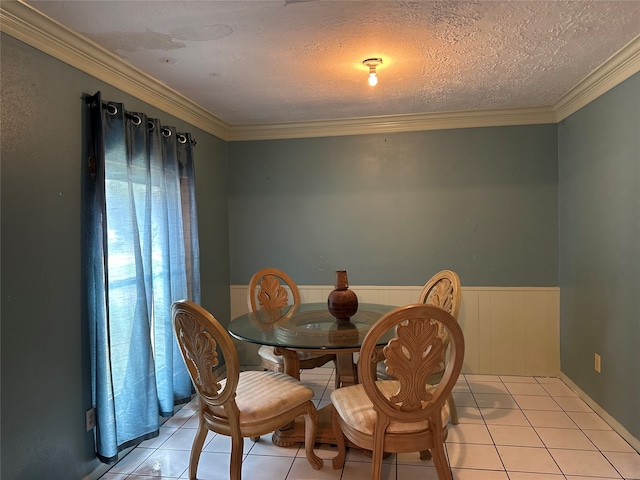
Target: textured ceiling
<point>268,61</point>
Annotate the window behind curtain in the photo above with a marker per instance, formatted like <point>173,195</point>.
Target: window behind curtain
<point>142,255</point>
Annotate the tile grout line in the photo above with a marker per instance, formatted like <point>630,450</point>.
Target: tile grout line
<point>396,465</point>
<point>566,412</point>
<point>538,435</point>
<point>495,446</point>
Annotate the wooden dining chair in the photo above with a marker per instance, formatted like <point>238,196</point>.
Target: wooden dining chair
<point>272,288</point>
<point>442,290</point>
<point>406,414</point>
<point>239,404</point>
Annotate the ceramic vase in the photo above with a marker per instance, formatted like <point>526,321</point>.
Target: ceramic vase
<point>342,302</point>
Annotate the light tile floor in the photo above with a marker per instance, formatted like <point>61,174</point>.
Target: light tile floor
<point>511,428</point>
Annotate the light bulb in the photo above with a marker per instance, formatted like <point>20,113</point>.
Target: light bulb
<point>372,63</point>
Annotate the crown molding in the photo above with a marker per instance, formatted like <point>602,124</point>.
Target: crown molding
<point>618,68</point>
<point>32,27</point>
<point>394,124</point>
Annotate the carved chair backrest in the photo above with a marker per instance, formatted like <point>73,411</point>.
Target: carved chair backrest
<point>412,357</point>
<point>443,290</point>
<point>266,290</point>
<point>201,338</point>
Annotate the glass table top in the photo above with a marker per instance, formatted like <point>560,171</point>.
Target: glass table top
<point>308,326</point>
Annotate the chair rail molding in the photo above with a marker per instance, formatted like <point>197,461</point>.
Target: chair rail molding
<point>508,330</point>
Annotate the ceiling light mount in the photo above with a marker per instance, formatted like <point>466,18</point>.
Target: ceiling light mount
<point>372,63</point>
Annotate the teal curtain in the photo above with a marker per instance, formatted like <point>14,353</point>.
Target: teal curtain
<point>142,255</point>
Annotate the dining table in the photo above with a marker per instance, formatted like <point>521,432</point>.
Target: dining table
<point>311,327</point>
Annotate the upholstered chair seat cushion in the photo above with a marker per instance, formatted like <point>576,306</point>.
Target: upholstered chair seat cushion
<point>261,395</point>
<point>356,410</point>
<point>267,353</point>
<point>244,404</point>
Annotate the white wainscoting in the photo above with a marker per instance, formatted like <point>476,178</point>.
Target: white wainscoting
<point>508,330</point>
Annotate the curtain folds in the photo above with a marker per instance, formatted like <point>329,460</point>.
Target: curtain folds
<point>142,255</point>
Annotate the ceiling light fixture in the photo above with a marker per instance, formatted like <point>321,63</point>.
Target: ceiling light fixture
<point>372,63</point>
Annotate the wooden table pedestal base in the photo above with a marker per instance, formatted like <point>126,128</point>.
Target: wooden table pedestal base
<point>324,433</point>
<point>295,434</point>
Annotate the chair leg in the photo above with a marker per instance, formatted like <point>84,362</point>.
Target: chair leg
<point>378,446</point>
<point>235,465</point>
<point>425,455</point>
<point>196,449</point>
<point>376,463</point>
<point>453,411</point>
<point>439,457</point>
<point>440,462</point>
<point>338,460</point>
<point>310,426</point>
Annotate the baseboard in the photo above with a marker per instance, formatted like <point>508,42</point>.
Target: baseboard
<point>612,422</point>
<point>104,468</point>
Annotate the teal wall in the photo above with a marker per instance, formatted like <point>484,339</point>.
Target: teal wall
<point>599,213</point>
<point>393,209</point>
<point>44,350</point>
